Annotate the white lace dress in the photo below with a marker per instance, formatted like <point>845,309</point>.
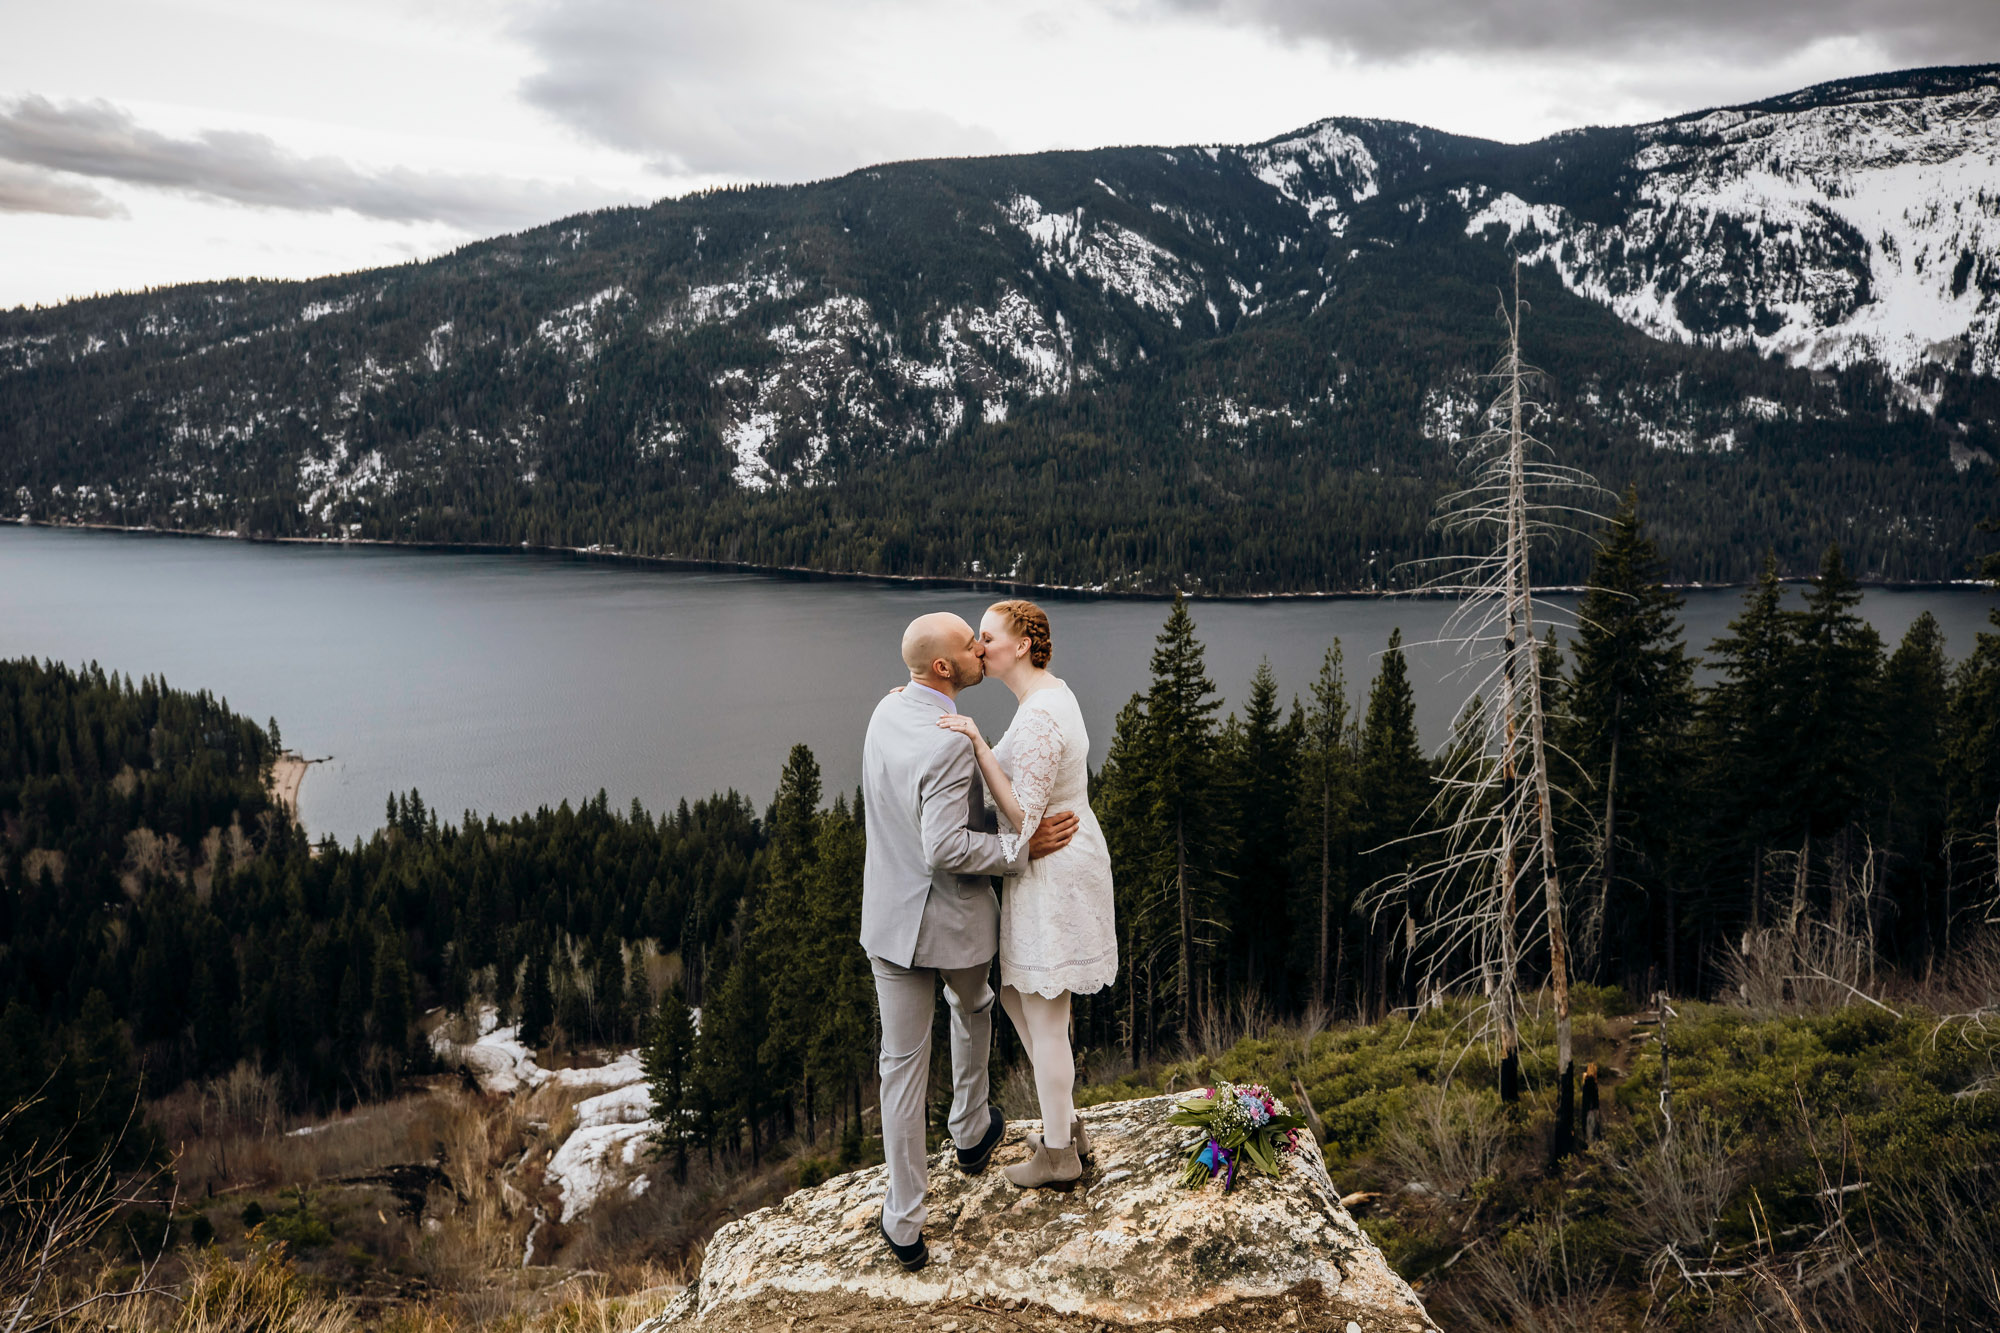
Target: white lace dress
<point>1057,931</point>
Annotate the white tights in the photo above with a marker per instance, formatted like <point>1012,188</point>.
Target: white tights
<point>1043,1025</point>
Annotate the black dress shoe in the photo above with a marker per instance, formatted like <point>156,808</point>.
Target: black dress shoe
<point>973,1160</point>
<point>911,1257</point>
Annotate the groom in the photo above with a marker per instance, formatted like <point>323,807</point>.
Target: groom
<point>928,911</point>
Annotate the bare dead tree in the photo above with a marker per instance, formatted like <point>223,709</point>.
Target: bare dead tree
<point>1496,799</point>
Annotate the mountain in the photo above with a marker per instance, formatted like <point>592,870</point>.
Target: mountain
<point>1229,369</point>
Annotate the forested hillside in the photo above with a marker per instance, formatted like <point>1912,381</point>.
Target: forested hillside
<point>1827,785</point>
<point>1223,369</point>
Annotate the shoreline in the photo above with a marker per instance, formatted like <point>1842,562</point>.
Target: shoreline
<point>288,773</point>
<point>808,574</point>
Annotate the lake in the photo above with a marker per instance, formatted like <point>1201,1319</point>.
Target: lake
<point>498,683</point>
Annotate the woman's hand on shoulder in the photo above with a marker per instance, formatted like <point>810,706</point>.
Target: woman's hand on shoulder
<point>964,726</point>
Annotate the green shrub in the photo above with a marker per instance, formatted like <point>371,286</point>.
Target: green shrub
<point>299,1227</point>
<point>148,1231</point>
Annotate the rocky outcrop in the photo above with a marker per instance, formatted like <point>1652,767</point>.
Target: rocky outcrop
<point>1127,1246</point>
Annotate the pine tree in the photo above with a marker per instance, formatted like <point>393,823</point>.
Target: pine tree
<point>669,1064</point>
<point>1629,703</point>
<point>840,1050</point>
<point>1264,757</point>
<point>108,1114</point>
<point>780,910</point>
<point>538,1002</point>
<point>389,1009</point>
<point>731,1080</point>
<point>1180,749</point>
<point>1749,728</point>
<point>1394,781</point>
<point>1121,796</point>
<point>1326,797</point>
<point>1916,707</point>
<point>1839,659</point>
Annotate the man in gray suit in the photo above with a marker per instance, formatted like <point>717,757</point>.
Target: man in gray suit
<point>928,911</point>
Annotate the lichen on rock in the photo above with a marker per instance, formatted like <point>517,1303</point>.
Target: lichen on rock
<point>1128,1245</point>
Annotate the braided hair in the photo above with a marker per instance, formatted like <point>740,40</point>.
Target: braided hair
<point>1029,622</point>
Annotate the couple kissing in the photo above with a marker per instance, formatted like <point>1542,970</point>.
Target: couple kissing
<point>947,814</point>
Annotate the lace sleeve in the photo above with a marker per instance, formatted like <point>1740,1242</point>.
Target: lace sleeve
<point>1037,753</point>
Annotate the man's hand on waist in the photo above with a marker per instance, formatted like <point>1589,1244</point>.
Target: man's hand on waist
<point>1051,835</point>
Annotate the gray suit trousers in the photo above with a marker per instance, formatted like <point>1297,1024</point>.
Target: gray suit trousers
<point>908,997</point>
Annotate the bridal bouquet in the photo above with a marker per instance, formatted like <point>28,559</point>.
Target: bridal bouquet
<point>1239,1123</point>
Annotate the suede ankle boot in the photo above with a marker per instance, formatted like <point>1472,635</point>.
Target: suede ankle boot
<point>1049,1166</point>
<point>1077,1138</point>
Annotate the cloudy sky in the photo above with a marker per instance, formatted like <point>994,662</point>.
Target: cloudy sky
<point>154,141</point>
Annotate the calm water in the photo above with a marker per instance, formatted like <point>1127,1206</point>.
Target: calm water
<point>499,683</point>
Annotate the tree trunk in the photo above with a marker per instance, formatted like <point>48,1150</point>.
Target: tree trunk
<point>1339,972</point>
<point>1505,997</point>
<point>1325,884</point>
<point>1608,860</point>
<point>1131,1001</point>
<point>1187,927</point>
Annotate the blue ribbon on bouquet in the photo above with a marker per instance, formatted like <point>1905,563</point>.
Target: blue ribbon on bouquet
<point>1219,1159</point>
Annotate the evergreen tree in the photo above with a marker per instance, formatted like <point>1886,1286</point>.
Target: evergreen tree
<point>1394,780</point>
<point>1263,756</point>
<point>1912,774</point>
<point>1839,740</point>
<point>1971,873</point>
<point>1749,728</point>
<point>669,1064</point>
<point>1121,797</point>
<point>389,1008</point>
<point>1630,701</point>
<point>781,909</point>
<point>1179,750</point>
<point>109,1115</point>
<point>1326,804</point>
<point>840,1050</point>
<point>729,1076</point>
<point>538,1003</point>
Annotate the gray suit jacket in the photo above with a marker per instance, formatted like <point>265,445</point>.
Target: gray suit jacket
<point>926,895</point>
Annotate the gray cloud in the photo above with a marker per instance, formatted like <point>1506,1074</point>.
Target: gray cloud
<point>98,140</point>
<point>752,88</point>
<point>1739,31</point>
<point>31,190</point>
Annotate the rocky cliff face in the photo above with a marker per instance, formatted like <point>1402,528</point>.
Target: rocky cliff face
<point>1128,1246</point>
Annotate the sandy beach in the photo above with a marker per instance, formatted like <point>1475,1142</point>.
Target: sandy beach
<point>288,770</point>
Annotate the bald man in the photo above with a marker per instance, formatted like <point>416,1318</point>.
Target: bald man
<point>928,912</point>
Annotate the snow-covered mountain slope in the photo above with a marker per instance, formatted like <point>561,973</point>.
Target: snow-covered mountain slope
<point>1863,226</point>
<point>1221,335</point>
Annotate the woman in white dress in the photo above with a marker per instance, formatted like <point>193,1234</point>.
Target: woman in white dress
<point>1057,933</point>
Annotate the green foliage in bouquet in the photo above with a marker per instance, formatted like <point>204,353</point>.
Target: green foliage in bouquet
<point>1238,1123</point>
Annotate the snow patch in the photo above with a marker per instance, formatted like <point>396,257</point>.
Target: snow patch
<point>1827,235</point>
<point>1116,257</point>
<point>573,328</point>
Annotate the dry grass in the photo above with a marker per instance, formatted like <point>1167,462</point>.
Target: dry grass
<point>1807,966</point>
<point>266,1293</point>
<point>1532,1281</point>
<point>1450,1138</point>
<point>1677,1188</point>
<point>218,1295</point>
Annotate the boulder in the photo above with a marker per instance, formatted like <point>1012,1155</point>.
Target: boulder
<point>1127,1246</point>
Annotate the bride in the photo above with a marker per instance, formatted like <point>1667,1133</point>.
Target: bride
<point>1057,937</point>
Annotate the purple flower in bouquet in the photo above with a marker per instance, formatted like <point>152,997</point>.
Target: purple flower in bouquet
<point>1239,1125</point>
